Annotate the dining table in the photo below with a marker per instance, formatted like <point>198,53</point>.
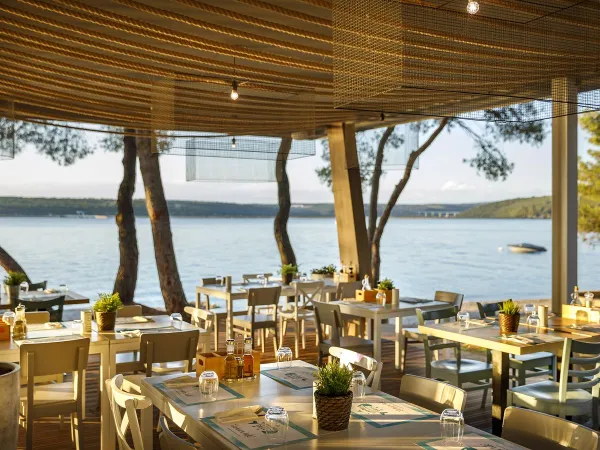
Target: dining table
<point>71,298</point>
<point>239,291</point>
<point>377,420</point>
<point>528,339</point>
<point>106,344</point>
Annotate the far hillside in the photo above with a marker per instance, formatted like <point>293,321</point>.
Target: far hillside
<point>517,208</point>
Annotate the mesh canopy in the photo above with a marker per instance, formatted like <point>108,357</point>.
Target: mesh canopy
<point>7,131</point>
<point>229,170</point>
<point>435,59</point>
<point>395,158</point>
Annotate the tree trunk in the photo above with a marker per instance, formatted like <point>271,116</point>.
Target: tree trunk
<point>375,182</point>
<point>376,242</point>
<point>8,263</point>
<point>128,248</point>
<point>158,212</point>
<point>286,252</point>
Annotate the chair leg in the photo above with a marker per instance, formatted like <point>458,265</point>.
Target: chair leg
<point>303,336</point>
<point>485,395</point>
<point>78,425</point>
<point>403,350</point>
<point>320,359</point>
<point>282,330</point>
<point>275,342</point>
<point>262,339</point>
<point>595,413</point>
<point>297,338</point>
<point>29,435</point>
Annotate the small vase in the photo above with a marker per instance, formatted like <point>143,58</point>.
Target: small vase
<point>508,324</point>
<point>105,320</point>
<point>333,412</point>
<point>9,414</point>
<point>12,293</point>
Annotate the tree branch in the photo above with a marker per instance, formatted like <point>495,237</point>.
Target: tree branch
<point>375,182</point>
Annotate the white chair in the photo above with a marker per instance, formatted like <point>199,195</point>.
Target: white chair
<point>205,320</point>
<point>254,277</point>
<point>565,398</point>
<point>130,311</point>
<point>122,400</point>
<point>329,315</point>
<point>53,399</point>
<point>432,394</point>
<point>169,441</point>
<point>300,311</point>
<point>532,429</point>
<point>457,371</point>
<point>352,358</point>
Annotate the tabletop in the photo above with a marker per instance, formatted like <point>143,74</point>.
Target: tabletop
<point>71,298</point>
<point>240,290</point>
<point>373,310</point>
<point>410,428</point>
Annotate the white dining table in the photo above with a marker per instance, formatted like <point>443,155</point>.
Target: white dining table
<point>197,419</point>
<point>107,345</point>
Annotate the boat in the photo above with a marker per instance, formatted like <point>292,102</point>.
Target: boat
<point>525,248</point>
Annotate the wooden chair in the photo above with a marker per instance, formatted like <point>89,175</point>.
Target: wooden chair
<point>37,317</point>
<point>412,336</point>
<point>130,311</point>
<point>169,441</point>
<point>532,429</point>
<point>254,321</point>
<point>205,320</point>
<point>347,290</point>
<point>522,366</point>
<point>432,394</point>
<point>253,277</point>
<point>36,286</point>
<point>124,405</point>
<point>301,311</point>
<point>329,315</point>
<point>354,359</point>
<point>53,305</point>
<point>566,398</point>
<point>456,371</point>
<point>53,399</point>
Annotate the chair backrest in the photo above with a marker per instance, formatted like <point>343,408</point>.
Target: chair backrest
<point>532,429</point>
<point>53,305</point>
<point>130,311</point>
<point>265,296</point>
<point>37,317</point>
<point>437,315</point>
<point>253,277</point>
<point>209,280</point>
<point>431,394</point>
<point>327,314</point>
<point>168,347</point>
<point>36,286</point>
<point>355,359</point>
<point>169,441</point>
<point>449,297</point>
<point>198,316</point>
<point>586,372</point>
<point>347,290</point>
<point>307,292</point>
<point>128,403</point>
<point>488,309</point>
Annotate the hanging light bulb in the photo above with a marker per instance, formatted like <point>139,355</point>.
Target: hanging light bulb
<point>232,142</point>
<point>234,90</point>
<point>472,7</point>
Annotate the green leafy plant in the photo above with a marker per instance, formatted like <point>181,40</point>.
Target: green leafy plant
<point>325,270</point>
<point>385,285</point>
<point>14,278</point>
<point>334,379</point>
<point>287,269</point>
<point>108,303</point>
<point>510,308</point>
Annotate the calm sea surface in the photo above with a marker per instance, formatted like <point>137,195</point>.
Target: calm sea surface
<point>420,255</point>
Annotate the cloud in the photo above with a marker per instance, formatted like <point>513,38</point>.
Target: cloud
<point>451,185</point>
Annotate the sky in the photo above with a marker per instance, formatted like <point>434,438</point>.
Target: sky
<point>442,177</point>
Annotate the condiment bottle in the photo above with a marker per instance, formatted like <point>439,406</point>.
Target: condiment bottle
<point>248,358</point>
<point>231,364</point>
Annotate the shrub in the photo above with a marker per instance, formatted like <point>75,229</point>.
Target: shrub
<point>14,278</point>
<point>334,379</point>
<point>325,270</point>
<point>287,269</point>
<point>385,285</point>
<point>510,308</point>
<point>108,303</point>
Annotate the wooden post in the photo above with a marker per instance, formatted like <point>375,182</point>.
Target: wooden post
<point>564,191</point>
<point>348,200</point>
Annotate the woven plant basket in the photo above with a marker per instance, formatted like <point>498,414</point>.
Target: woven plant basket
<point>106,320</point>
<point>509,324</point>
<point>333,413</point>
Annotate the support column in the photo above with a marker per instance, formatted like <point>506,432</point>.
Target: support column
<point>564,191</point>
<point>348,200</point>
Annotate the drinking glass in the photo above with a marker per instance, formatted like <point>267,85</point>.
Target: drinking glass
<point>359,382</point>
<point>533,320</point>
<point>381,298</point>
<point>529,309</point>
<point>284,358</point>
<point>176,320</point>
<point>452,425</point>
<point>463,319</point>
<point>277,422</point>
<point>219,280</point>
<point>303,277</point>
<point>209,386</point>
<point>76,327</point>
<point>9,318</point>
<point>589,299</point>
<point>261,279</point>
<point>23,288</point>
<point>63,288</point>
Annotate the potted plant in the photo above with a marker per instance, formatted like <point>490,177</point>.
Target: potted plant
<point>288,272</point>
<point>323,273</point>
<point>387,287</point>
<point>12,281</point>
<point>105,310</point>
<point>508,316</point>
<point>333,397</point>
<point>9,414</point>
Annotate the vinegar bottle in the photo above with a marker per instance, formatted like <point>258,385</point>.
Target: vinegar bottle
<point>231,365</point>
<point>248,358</point>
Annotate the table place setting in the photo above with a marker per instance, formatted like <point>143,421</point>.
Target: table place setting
<point>531,338</point>
<point>293,377</point>
<point>470,441</point>
<point>185,390</point>
<point>382,410</point>
<point>134,319</point>
<point>45,326</point>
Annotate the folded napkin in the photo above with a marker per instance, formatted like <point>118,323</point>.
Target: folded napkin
<point>181,381</point>
<point>481,322</point>
<point>519,339</point>
<point>131,333</point>
<point>50,291</point>
<point>53,325</point>
<point>134,319</point>
<point>238,414</point>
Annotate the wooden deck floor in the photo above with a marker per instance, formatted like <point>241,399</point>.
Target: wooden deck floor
<point>48,435</point>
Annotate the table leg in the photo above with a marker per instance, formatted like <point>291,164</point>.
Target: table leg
<point>377,340</point>
<point>108,434</point>
<point>198,299</point>
<point>499,389</point>
<point>146,427</point>
<point>398,344</point>
<point>229,317</point>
